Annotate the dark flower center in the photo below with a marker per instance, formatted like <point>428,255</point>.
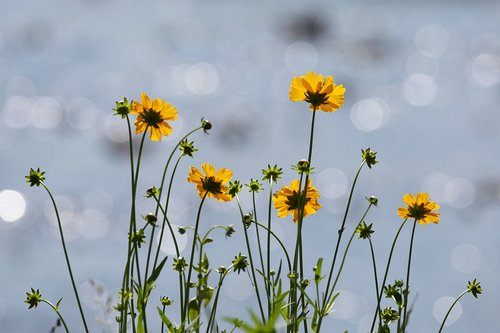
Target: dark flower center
<point>152,117</point>
<point>211,185</point>
<point>294,200</point>
<point>418,212</point>
<point>316,99</point>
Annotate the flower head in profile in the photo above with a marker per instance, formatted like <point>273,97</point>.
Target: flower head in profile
<point>286,200</point>
<point>321,93</point>
<point>211,183</point>
<point>419,208</point>
<point>152,116</point>
<point>33,298</point>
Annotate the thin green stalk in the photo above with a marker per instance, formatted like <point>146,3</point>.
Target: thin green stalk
<point>377,311</point>
<point>250,257</point>
<point>211,319</point>
<point>451,308</point>
<point>125,285</point>
<point>280,243</point>
<point>190,267</point>
<point>268,243</point>
<point>132,226</point>
<point>340,232</point>
<point>165,217</point>
<point>61,233</point>
<point>407,290</point>
<point>169,187</point>
<point>257,234</point>
<point>58,314</point>
<point>375,274</point>
<point>346,251</point>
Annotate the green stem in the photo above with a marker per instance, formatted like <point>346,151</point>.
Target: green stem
<point>61,233</point>
<point>266,281</point>
<point>344,257</point>
<point>58,314</point>
<point>280,243</point>
<point>340,232</point>
<point>375,274</point>
<point>377,311</point>
<point>211,319</point>
<point>190,267</point>
<point>125,284</point>
<point>407,290</point>
<point>268,243</point>
<point>451,308</point>
<point>250,257</point>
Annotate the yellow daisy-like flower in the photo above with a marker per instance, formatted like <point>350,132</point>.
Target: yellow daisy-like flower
<point>212,183</point>
<point>321,94</point>
<point>153,116</point>
<point>419,208</point>
<point>286,200</point>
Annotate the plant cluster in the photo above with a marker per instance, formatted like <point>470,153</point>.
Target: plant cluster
<point>289,298</point>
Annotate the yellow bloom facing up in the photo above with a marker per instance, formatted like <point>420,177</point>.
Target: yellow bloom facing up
<point>212,183</point>
<point>286,200</point>
<point>321,94</point>
<point>153,116</point>
<point>419,208</point>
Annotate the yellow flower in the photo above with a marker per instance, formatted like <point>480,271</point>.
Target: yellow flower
<point>153,116</point>
<point>420,208</point>
<point>322,94</point>
<point>286,201</point>
<point>212,183</point>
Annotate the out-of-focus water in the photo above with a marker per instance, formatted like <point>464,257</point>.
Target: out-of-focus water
<point>423,83</point>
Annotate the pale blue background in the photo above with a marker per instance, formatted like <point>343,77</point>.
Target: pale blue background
<point>422,83</point>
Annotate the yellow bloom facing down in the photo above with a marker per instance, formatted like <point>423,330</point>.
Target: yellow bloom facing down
<point>212,183</point>
<point>419,208</point>
<point>321,93</point>
<point>286,200</point>
<point>152,116</point>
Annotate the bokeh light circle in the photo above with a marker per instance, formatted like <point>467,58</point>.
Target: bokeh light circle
<point>12,206</point>
<point>441,307</point>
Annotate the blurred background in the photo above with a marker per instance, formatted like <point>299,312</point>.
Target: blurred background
<point>423,89</point>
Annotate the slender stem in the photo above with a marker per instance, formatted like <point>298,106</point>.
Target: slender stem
<point>280,243</point>
<point>211,319</point>
<point>407,289</point>
<point>190,267</point>
<point>451,308</point>
<point>61,233</point>
<point>268,244</point>
<point>165,217</point>
<point>266,281</point>
<point>377,311</point>
<point>125,284</point>
<point>346,251</point>
<point>58,313</point>
<point>375,274</point>
<point>327,293</point>
<point>250,257</point>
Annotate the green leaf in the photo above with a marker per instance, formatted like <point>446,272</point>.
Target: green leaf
<point>156,272</point>
<point>166,321</point>
<point>207,295</point>
<point>317,271</point>
<point>194,309</point>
